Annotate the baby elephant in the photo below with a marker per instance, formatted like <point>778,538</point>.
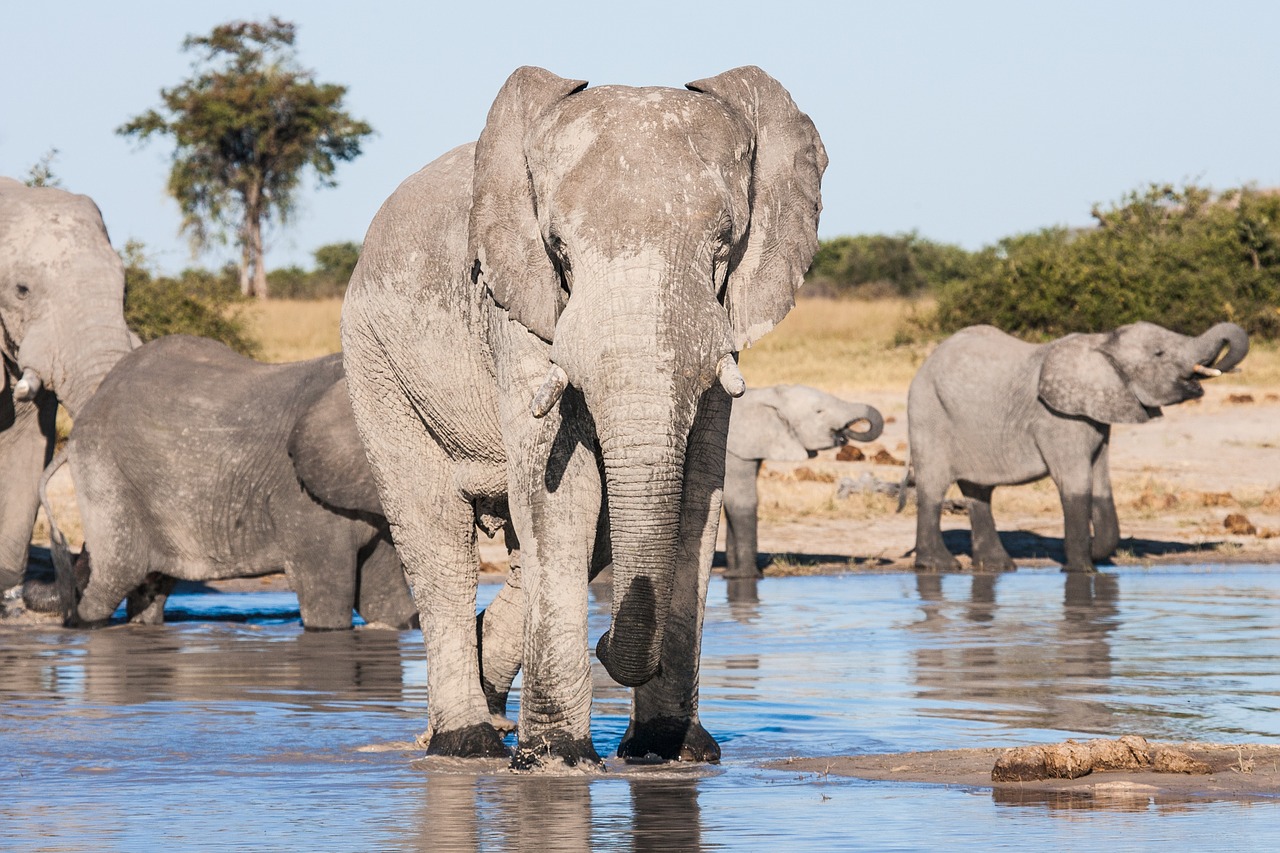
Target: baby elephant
<point>986,410</point>
<point>195,463</point>
<point>784,423</point>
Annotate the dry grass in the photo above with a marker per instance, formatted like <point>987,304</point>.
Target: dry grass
<point>843,346</point>
<point>295,329</point>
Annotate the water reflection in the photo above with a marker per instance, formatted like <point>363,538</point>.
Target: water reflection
<point>131,664</point>
<point>1051,669</point>
<point>567,814</point>
<point>108,735</point>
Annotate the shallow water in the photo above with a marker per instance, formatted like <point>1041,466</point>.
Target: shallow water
<point>233,728</point>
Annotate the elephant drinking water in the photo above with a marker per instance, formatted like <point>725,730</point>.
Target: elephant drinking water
<point>986,410</point>
<point>783,423</point>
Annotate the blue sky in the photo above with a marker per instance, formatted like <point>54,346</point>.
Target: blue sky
<point>965,121</point>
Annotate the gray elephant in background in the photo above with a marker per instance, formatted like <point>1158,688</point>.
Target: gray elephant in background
<point>987,410</point>
<point>195,463</point>
<point>783,423</point>
<point>541,335</point>
<point>61,329</point>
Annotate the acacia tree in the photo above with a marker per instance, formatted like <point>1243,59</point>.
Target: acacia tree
<point>245,126</point>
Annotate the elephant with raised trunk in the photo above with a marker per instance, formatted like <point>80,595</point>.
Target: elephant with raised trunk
<point>784,423</point>
<point>541,335</point>
<point>61,330</point>
<point>192,462</point>
<point>987,410</point>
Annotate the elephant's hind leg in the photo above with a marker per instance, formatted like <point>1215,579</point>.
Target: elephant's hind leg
<point>989,554</point>
<point>1105,522</point>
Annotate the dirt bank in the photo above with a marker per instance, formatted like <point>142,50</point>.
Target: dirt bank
<point>1237,771</point>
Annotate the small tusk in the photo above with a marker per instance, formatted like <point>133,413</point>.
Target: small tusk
<point>549,394</point>
<point>1207,371</point>
<point>730,376</point>
<point>28,386</point>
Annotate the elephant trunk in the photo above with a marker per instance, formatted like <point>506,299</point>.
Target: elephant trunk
<point>875,423</point>
<point>644,478</point>
<point>1206,349</point>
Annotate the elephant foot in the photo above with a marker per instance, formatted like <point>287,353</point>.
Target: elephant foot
<point>1082,566</point>
<point>553,750</point>
<point>931,562</point>
<point>1001,563</point>
<point>40,596</point>
<point>668,739</point>
<point>479,741</point>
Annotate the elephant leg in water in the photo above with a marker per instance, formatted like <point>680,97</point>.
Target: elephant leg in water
<point>741,504</point>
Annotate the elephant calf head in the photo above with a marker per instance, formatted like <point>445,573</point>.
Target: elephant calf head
<point>1125,376</point>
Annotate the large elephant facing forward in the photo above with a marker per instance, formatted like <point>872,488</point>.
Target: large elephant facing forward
<point>541,334</point>
<point>784,423</point>
<point>61,329</point>
<point>196,463</point>
<point>986,410</point>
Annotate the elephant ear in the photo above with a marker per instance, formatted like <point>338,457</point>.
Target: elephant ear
<point>1077,378</point>
<point>758,430</point>
<point>785,197</point>
<point>328,457</point>
<point>504,239</point>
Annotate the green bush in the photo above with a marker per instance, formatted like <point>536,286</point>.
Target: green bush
<point>197,302</point>
<point>334,263</point>
<point>1184,258</point>
<point>873,265</point>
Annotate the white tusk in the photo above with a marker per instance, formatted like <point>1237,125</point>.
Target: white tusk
<point>730,376</point>
<point>28,386</point>
<point>1207,371</point>
<point>549,394</point>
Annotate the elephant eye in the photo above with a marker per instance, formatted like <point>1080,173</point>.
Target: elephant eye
<point>23,291</point>
<point>1159,353</point>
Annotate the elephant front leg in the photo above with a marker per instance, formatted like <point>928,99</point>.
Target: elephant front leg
<point>1075,490</point>
<point>741,504</point>
<point>556,529</point>
<point>664,717</point>
<point>1106,524</point>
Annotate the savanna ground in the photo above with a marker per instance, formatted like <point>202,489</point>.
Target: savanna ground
<point>1200,484</point>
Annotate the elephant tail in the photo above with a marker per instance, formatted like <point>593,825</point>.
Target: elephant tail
<point>908,481</point>
<point>64,571</point>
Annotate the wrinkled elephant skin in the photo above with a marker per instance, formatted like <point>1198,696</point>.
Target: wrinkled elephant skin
<point>195,463</point>
<point>541,334</point>
<point>61,329</point>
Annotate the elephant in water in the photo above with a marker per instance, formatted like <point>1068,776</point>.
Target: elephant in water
<point>783,423</point>
<point>987,410</point>
<point>196,463</point>
<point>541,336</point>
<point>61,329</point>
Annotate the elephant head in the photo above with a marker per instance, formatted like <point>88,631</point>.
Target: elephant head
<point>647,235</point>
<point>793,422</point>
<point>61,294</point>
<point>1125,376</point>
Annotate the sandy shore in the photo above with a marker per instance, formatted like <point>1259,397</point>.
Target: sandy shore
<point>1237,771</point>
